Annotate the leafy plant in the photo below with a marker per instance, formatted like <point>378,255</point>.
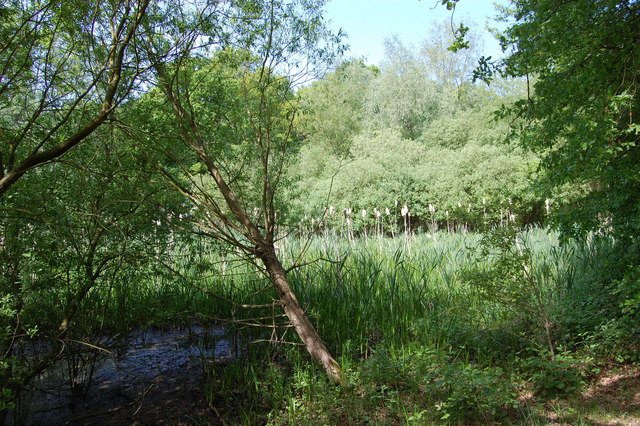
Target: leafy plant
<point>456,390</point>
<point>511,281</point>
<point>557,377</point>
<point>7,314</point>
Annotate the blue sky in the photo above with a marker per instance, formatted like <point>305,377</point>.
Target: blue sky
<point>368,22</point>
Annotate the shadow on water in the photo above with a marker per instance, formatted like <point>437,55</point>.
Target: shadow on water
<point>154,374</point>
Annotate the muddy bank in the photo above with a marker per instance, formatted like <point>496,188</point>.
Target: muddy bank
<point>157,378</point>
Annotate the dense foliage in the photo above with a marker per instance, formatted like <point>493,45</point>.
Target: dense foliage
<point>416,132</point>
<point>582,114</point>
<point>162,161</point>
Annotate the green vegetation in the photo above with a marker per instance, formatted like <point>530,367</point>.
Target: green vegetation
<point>416,132</point>
<point>420,341</point>
<point>392,244</point>
<point>423,327</point>
<point>582,108</point>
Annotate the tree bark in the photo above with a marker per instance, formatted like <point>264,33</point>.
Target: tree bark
<point>265,248</point>
<point>306,331</point>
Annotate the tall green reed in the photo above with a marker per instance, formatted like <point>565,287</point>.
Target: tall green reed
<point>357,292</point>
<point>362,292</point>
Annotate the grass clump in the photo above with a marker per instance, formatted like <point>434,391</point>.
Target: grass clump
<point>445,328</point>
<point>414,385</point>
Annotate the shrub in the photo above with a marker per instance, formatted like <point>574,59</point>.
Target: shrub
<point>552,378</point>
<point>455,390</point>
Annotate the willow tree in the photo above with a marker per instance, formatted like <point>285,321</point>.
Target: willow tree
<point>242,108</point>
<point>64,67</point>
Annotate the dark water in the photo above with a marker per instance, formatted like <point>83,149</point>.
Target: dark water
<point>152,373</point>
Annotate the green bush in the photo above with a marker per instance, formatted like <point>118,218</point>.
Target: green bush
<point>619,331</point>
<point>553,378</point>
<point>457,391</point>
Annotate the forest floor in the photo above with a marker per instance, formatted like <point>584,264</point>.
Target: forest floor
<point>161,380</point>
<point>612,397</point>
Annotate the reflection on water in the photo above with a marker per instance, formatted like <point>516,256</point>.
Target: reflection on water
<point>150,357</point>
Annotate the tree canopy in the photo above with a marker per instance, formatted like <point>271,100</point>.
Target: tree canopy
<point>582,59</point>
<point>418,132</point>
<point>64,67</point>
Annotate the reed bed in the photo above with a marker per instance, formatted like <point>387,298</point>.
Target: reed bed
<point>402,291</point>
<point>417,340</point>
<point>362,292</point>
<point>393,310</point>
<point>357,292</point>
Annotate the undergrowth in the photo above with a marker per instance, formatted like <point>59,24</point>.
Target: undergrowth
<point>438,329</point>
<point>442,328</point>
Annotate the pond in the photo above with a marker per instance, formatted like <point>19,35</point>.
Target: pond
<point>157,377</point>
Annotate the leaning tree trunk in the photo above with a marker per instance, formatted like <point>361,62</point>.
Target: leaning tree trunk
<point>306,331</point>
<point>265,248</point>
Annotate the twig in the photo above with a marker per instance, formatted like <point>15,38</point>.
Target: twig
<point>88,344</point>
<point>276,341</point>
